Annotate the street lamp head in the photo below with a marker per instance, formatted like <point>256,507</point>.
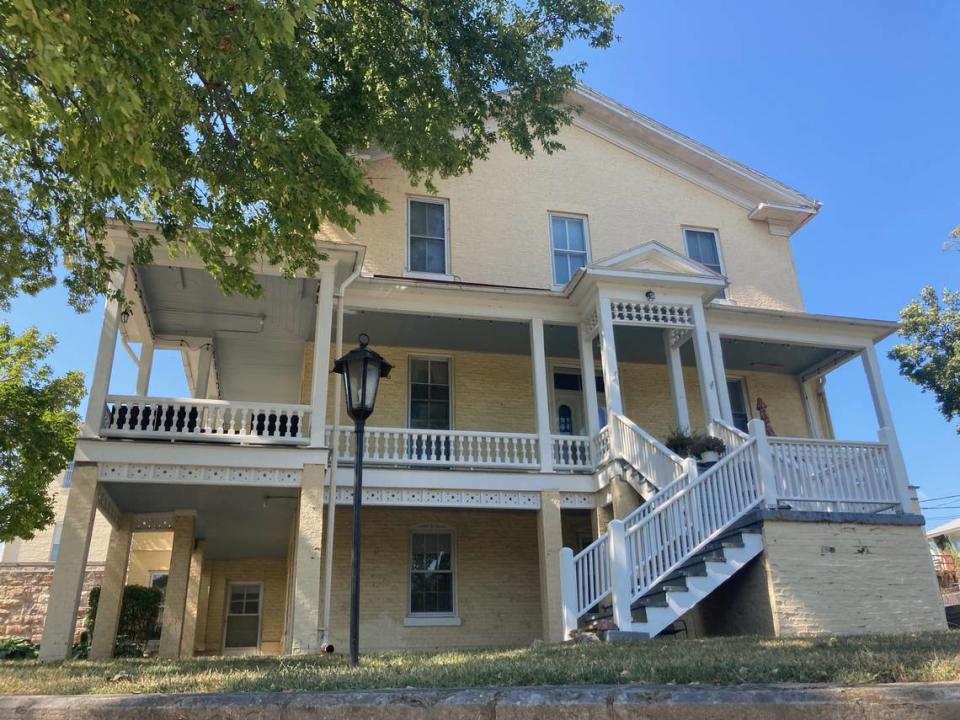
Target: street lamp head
<point>361,369</point>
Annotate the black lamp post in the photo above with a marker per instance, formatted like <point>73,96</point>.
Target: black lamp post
<point>362,369</point>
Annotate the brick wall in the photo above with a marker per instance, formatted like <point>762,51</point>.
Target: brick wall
<point>495,392</point>
<point>497,578</point>
<point>849,578</point>
<point>499,218</point>
<point>24,592</point>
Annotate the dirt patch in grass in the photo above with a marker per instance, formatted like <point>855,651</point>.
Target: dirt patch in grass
<point>854,660</point>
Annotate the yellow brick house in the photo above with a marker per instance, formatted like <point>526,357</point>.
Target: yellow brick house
<point>550,321</point>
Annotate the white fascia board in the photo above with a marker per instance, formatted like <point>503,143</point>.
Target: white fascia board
<point>429,479</point>
<point>453,300</point>
<point>830,331</point>
<point>721,163</point>
<point>190,453</point>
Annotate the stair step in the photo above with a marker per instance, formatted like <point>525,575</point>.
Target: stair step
<point>652,599</point>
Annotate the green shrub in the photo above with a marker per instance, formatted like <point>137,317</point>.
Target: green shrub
<point>18,649</point>
<point>138,613</point>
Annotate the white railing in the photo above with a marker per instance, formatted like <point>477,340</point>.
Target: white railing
<point>441,448</point>
<point>592,570</point>
<point>232,421</point>
<point>833,476</point>
<point>732,437</point>
<point>572,452</point>
<point>648,456</point>
<point>601,446</point>
<point>692,518</point>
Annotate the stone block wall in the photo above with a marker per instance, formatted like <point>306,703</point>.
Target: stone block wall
<point>24,592</point>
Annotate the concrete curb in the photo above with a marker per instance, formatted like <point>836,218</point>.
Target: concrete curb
<point>924,701</point>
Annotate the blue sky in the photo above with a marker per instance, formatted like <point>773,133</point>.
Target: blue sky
<point>853,103</point>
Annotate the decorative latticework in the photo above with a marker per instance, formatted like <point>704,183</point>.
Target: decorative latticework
<point>651,313</point>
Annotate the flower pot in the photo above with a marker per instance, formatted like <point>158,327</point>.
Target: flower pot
<point>709,456</point>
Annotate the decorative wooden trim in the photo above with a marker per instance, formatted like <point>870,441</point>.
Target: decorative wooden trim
<point>107,507</point>
<point>197,475</point>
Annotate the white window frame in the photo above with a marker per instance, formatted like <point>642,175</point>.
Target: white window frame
<point>427,356</point>
<point>723,297</point>
<point>586,241</point>
<point>56,542</point>
<point>226,615</point>
<point>407,271</point>
<point>423,619</point>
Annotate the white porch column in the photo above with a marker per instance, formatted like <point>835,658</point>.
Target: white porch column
<point>887,433</point>
<point>204,361</point>
<point>608,359</point>
<point>880,405</point>
<point>811,407</point>
<point>100,383</point>
<point>588,381</point>
<point>678,390</point>
<point>541,394</point>
<point>60,624</point>
<point>144,367</point>
<point>720,373</point>
<point>321,360</point>
<point>708,384</point>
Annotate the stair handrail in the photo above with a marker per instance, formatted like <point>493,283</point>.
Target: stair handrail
<point>732,437</point>
<point>665,539</point>
<point>647,455</point>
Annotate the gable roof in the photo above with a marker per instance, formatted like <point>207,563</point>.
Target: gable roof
<point>652,257</point>
<point>765,199</point>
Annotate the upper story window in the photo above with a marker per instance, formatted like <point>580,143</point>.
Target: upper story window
<point>702,246</point>
<point>568,241</point>
<point>430,393</point>
<point>68,476</point>
<point>427,236</point>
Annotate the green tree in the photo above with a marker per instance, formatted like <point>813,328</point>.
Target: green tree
<point>251,119</point>
<point>930,357</point>
<point>38,428</point>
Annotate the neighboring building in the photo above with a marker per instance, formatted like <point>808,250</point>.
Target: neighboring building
<point>550,320</point>
<point>26,567</point>
<point>945,551</point>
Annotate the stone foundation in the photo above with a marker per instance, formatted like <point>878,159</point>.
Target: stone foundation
<point>24,592</point>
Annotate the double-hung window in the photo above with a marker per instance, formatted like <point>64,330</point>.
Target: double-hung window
<point>68,475</point>
<point>568,242</point>
<point>430,406</point>
<point>430,393</point>
<point>704,247</point>
<point>431,573</point>
<point>427,236</point>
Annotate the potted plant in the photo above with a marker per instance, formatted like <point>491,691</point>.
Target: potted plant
<point>708,448</point>
<point>679,441</point>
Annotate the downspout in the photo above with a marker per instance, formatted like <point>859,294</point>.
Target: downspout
<point>332,466</point>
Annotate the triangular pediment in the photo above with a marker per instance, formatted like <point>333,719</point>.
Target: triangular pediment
<point>652,257</point>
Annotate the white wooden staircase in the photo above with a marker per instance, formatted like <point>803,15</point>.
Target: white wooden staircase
<point>671,552</point>
<point>693,532</point>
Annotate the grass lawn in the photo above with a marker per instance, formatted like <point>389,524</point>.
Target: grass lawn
<point>873,659</point>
